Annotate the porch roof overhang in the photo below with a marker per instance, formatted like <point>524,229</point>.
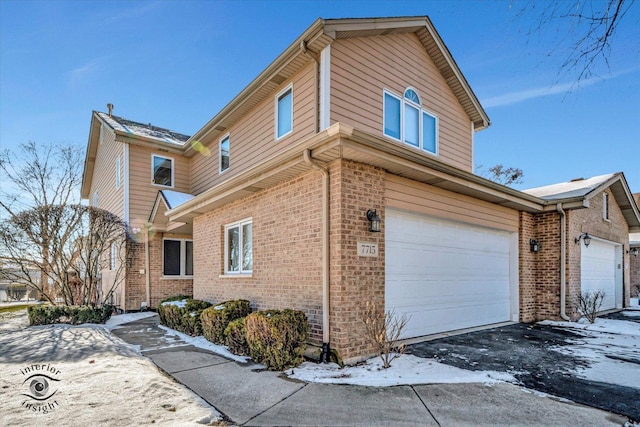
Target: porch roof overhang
<point>341,141</point>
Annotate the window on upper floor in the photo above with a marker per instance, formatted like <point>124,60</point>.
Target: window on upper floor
<point>238,247</point>
<point>224,154</point>
<point>284,112</point>
<point>605,206</point>
<point>405,120</point>
<point>118,173</point>
<point>177,257</point>
<point>162,170</point>
<point>95,199</point>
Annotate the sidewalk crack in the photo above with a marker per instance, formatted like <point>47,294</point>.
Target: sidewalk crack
<point>425,406</point>
<point>274,405</point>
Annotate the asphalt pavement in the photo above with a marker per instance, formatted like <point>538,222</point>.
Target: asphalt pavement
<point>249,395</point>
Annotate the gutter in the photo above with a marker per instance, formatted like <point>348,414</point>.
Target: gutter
<point>324,356</point>
<point>563,262</point>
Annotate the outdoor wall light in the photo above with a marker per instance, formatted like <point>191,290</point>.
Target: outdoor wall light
<point>534,245</point>
<point>585,237</point>
<point>374,221</point>
<point>633,251</point>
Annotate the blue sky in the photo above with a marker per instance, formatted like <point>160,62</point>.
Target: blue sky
<point>175,64</point>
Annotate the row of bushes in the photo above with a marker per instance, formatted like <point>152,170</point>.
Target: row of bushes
<point>73,315</point>
<point>275,338</point>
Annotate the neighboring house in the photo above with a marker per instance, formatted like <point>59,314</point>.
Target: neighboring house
<point>634,245</point>
<point>14,282</point>
<point>269,201</point>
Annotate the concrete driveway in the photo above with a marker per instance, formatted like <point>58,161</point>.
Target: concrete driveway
<point>525,351</point>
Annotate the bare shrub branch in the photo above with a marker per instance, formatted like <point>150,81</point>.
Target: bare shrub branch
<point>590,303</point>
<point>383,330</point>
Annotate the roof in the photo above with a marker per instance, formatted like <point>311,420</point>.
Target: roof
<point>319,35</point>
<point>574,188</point>
<point>144,130</point>
<point>175,198</point>
<point>577,193</point>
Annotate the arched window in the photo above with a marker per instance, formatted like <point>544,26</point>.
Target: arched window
<point>412,95</point>
<point>406,120</point>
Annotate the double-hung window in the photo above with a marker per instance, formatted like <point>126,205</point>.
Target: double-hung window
<point>177,257</point>
<point>406,121</point>
<point>238,247</point>
<point>114,256</point>
<point>284,112</point>
<point>162,170</point>
<point>224,154</point>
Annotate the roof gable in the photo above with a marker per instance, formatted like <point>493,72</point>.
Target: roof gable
<point>585,189</point>
<point>319,35</point>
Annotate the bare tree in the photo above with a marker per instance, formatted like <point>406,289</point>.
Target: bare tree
<point>587,26</point>
<point>382,330</point>
<point>501,174</point>
<point>43,227</point>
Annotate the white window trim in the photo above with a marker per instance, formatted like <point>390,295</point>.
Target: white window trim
<point>118,168</point>
<point>101,137</point>
<point>421,110</point>
<point>173,171</point>
<point>277,97</point>
<point>183,259</point>
<point>605,207</point>
<point>238,224</point>
<point>220,171</point>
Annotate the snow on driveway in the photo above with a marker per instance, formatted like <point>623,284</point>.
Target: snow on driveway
<point>612,348</point>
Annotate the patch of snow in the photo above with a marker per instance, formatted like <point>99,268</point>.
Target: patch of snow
<point>102,380</point>
<point>634,304</point>
<point>611,348</point>
<point>569,189</point>
<point>203,343</point>
<point>179,304</point>
<point>120,319</point>
<point>608,326</point>
<point>176,198</point>
<point>407,369</point>
<point>631,313</point>
<point>219,307</point>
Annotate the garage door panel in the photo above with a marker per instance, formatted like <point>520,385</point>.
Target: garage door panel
<point>597,271</point>
<point>446,275</point>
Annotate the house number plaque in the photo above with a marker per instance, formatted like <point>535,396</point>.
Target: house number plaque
<point>367,249</point>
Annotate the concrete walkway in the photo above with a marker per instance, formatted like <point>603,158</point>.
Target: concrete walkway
<point>250,396</point>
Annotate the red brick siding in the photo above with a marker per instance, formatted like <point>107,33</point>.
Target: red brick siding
<point>287,250</point>
<point>162,287</point>
<point>634,272</point>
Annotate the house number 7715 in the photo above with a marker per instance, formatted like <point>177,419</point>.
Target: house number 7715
<point>367,249</point>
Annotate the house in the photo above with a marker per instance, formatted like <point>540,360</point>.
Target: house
<point>343,173</point>
<point>634,245</point>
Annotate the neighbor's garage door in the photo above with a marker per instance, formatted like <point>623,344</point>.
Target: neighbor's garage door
<point>445,275</point>
<point>598,271</point>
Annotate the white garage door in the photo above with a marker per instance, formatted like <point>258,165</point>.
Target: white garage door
<point>446,275</point>
<point>598,271</point>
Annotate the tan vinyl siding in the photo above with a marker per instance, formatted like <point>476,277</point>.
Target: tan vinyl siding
<point>402,193</point>
<point>104,175</point>
<point>361,68</point>
<point>252,139</point>
<point>142,193</point>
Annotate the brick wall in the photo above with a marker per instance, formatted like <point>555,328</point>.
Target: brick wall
<point>134,291</point>
<point>527,262</point>
<point>355,188</point>
<point>162,287</point>
<point>634,273</point>
<point>591,221</point>
<point>287,250</point>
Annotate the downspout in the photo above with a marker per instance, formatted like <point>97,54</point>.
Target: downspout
<point>324,356</point>
<point>316,72</point>
<point>147,281</point>
<point>563,262</point>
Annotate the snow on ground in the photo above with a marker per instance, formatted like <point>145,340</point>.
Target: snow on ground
<point>406,369</point>
<point>612,348</point>
<point>121,319</point>
<point>202,342</point>
<point>97,379</point>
